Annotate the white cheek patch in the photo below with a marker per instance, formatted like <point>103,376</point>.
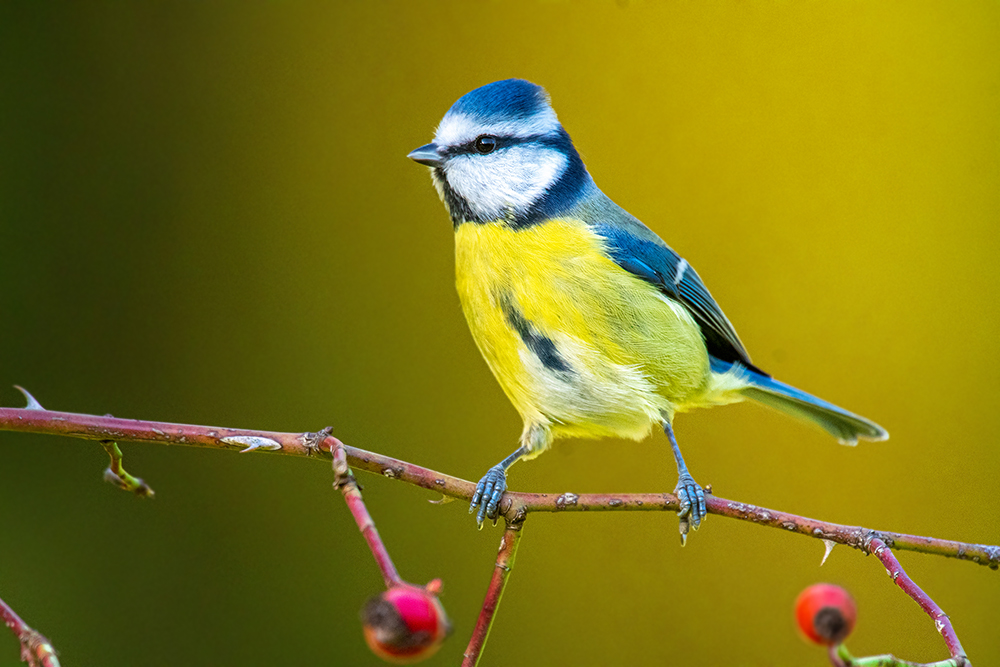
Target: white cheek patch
<point>511,179</point>
<point>458,128</point>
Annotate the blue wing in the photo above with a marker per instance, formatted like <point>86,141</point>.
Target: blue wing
<point>635,248</point>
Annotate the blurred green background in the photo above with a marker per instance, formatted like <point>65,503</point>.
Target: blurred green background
<point>207,216</point>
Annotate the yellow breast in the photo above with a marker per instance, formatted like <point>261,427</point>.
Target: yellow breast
<point>578,344</point>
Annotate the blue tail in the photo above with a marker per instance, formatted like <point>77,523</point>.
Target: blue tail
<point>846,426</point>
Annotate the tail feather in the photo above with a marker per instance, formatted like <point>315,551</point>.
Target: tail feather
<point>846,426</point>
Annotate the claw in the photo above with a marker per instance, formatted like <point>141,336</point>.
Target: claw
<point>685,504</point>
<point>693,508</point>
<point>489,493</point>
<point>477,496</point>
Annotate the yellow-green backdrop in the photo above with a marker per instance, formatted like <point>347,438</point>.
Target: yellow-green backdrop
<point>207,216</point>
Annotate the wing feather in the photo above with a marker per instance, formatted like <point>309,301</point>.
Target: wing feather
<point>635,248</point>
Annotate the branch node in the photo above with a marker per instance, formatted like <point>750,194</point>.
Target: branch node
<point>566,500</point>
<point>514,512</point>
<point>314,442</point>
<point>994,554</point>
<point>342,473</point>
<point>36,649</point>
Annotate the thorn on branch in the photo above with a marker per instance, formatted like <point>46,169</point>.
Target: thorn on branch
<point>116,474</point>
<point>829,545</point>
<point>33,403</point>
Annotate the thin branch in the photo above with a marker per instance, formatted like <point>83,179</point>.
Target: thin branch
<point>514,505</point>
<point>36,650</point>
<point>841,657</point>
<point>941,620</point>
<point>505,561</point>
<point>116,474</point>
<point>344,480</point>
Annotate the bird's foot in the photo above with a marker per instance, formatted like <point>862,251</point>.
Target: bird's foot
<point>693,509</point>
<point>488,493</point>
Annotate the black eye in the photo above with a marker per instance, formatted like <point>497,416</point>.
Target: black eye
<point>486,144</point>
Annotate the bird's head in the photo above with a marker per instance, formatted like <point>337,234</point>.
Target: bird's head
<point>501,154</point>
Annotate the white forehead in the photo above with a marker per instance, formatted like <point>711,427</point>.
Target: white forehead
<point>458,128</point>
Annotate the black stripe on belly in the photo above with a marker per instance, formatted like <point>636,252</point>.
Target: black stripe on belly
<point>542,346</point>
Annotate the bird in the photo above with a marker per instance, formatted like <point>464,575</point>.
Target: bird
<point>592,325</point>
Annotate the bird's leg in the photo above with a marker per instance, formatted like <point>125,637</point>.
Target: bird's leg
<point>690,495</point>
<point>490,489</point>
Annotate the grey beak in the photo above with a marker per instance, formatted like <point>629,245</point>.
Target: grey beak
<point>427,155</point>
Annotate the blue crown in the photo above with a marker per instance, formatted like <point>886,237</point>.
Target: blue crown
<point>511,99</point>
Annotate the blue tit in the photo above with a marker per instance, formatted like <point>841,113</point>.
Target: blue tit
<point>592,325</point>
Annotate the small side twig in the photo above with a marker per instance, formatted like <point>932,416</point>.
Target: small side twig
<point>841,657</point>
<point>116,474</point>
<point>344,480</point>
<point>941,620</point>
<point>501,571</point>
<point>36,650</point>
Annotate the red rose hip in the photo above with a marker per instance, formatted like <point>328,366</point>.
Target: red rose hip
<point>826,613</point>
<point>405,624</point>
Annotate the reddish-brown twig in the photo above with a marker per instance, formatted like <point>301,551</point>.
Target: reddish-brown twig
<point>505,561</point>
<point>513,506</point>
<point>116,474</point>
<point>941,620</point>
<point>344,480</point>
<point>841,657</point>
<point>36,650</point>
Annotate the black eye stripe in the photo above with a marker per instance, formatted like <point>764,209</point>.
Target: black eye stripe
<point>502,141</point>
